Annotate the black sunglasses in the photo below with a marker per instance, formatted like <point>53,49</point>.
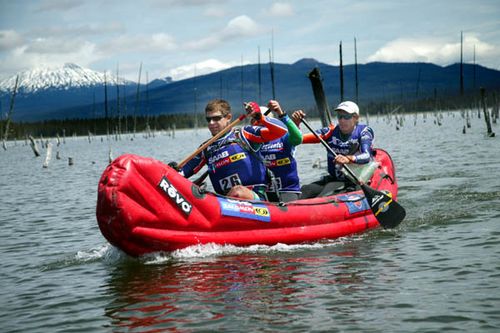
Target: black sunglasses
<point>214,118</point>
<point>344,116</point>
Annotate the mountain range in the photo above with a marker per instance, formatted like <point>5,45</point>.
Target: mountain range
<point>42,90</point>
<point>75,92</point>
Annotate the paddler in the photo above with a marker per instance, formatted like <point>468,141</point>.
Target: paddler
<point>352,141</point>
<point>233,161</point>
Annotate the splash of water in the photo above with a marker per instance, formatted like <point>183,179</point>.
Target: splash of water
<point>211,250</point>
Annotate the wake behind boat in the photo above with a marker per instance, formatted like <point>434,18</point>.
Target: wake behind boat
<point>145,206</point>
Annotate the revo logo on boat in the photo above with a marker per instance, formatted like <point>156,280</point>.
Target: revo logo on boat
<point>175,196</point>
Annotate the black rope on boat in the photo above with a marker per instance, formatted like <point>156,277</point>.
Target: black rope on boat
<point>383,176</point>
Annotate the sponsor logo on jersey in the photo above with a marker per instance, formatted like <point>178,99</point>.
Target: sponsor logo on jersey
<point>272,146</point>
<point>230,159</point>
<point>280,162</point>
<point>237,157</point>
<point>217,157</point>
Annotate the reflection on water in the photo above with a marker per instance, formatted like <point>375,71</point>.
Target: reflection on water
<point>209,293</point>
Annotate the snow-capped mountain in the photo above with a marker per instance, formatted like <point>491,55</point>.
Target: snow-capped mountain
<point>43,91</point>
<point>66,77</point>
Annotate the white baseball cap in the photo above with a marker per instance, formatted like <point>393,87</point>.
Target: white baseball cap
<point>349,107</point>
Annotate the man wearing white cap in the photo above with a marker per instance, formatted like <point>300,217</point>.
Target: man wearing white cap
<point>349,139</point>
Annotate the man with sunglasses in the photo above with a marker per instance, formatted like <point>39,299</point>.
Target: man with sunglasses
<point>233,161</point>
<point>353,142</point>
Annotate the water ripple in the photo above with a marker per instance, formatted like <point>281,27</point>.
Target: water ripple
<point>438,271</point>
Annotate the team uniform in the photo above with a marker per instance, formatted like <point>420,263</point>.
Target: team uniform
<point>359,144</point>
<point>234,159</point>
<point>279,158</point>
<point>361,139</point>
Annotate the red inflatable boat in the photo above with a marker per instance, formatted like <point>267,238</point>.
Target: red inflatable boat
<point>145,206</point>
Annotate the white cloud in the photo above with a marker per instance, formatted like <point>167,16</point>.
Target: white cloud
<point>20,59</point>
<point>432,50</point>
<point>21,54</point>
<point>9,39</point>
<point>92,29</point>
<point>241,26</point>
<point>281,9</point>
<point>159,42</point>
<point>54,46</point>
<point>201,68</point>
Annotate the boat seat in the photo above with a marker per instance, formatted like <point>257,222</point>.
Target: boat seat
<point>334,188</point>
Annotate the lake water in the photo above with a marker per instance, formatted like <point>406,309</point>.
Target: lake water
<point>438,271</point>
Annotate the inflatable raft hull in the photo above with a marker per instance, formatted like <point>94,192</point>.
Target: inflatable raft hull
<point>145,206</point>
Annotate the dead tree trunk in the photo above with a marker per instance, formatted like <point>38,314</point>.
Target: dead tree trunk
<point>34,146</point>
<point>9,115</point>
<point>486,114</point>
<point>48,156</point>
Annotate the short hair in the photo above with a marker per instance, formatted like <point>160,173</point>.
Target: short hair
<point>218,105</point>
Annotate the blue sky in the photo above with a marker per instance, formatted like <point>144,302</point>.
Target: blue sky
<point>180,37</point>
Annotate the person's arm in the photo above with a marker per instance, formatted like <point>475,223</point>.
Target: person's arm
<point>365,148</point>
<point>294,134</point>
<point>324,133</point>
<point>265,131</point>
<point>193,166</point>
<point>309,138</point>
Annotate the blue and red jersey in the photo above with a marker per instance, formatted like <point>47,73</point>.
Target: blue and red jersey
<point>360,140</point>
<point>234,159</point>
<point>279,157</point>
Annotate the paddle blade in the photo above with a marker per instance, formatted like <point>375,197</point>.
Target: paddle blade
<point>387,211</point>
